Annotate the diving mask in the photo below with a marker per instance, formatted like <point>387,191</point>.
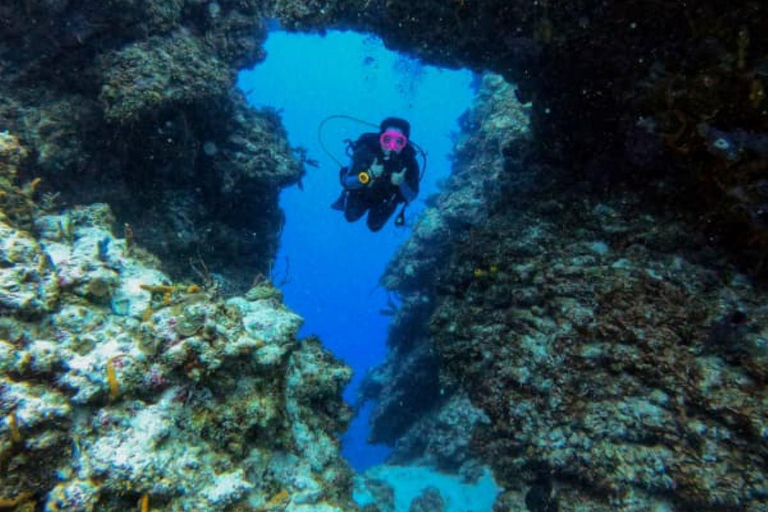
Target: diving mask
<point>393,140</point>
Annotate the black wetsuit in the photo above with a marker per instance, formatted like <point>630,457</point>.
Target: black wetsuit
<point>379,197</point>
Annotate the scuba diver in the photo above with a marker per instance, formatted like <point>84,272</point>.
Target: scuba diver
<point>382,174</point>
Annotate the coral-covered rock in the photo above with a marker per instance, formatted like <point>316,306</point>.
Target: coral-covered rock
<point>441,440</point>
<point>28,286</point>
<point>130,386</point>
<point>616,356</point>
<point>158,74</point>
<point>481,177</point>
<point>134,104</point>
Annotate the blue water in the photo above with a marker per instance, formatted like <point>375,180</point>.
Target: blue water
<point>332,267</point>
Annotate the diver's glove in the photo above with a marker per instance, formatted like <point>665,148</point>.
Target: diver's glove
<point>368,177</point>
<point>376,170</point>
<point>397,178</point>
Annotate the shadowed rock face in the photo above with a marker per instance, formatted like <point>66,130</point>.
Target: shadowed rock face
<point>133,103</point>
<point>604,343</point>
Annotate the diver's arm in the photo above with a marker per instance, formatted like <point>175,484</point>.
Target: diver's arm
<point>362,159</point>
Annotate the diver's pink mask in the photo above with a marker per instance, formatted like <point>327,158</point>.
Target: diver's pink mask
<point>392,140</point>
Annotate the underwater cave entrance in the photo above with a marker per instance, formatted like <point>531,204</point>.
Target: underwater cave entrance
<point>327,268</point>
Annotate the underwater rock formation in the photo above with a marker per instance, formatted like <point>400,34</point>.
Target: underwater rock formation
<point>134,104</point>
<point>481,176</point>
<point>662,96</point>
<point>578,313</point>
<point>471,194</point>
<point>613,357</point>
<point>118,385</point>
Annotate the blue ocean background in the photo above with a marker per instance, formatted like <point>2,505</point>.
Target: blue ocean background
<point>328,268</point>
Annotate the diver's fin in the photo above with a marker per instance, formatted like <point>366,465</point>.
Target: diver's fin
<point>339,203</point>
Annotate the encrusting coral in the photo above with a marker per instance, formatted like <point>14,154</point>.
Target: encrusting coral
<point>590,347</point>
<point>203,404</point>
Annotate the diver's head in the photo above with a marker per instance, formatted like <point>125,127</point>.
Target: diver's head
<point>393,135</point>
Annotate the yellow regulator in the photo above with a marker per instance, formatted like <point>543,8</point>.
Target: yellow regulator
<point>363,177</point>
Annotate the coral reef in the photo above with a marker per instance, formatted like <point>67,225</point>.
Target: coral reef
<point>589,345</point>
<point>133,388</point>
<point>586,300</point>
<point>134,104</point>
